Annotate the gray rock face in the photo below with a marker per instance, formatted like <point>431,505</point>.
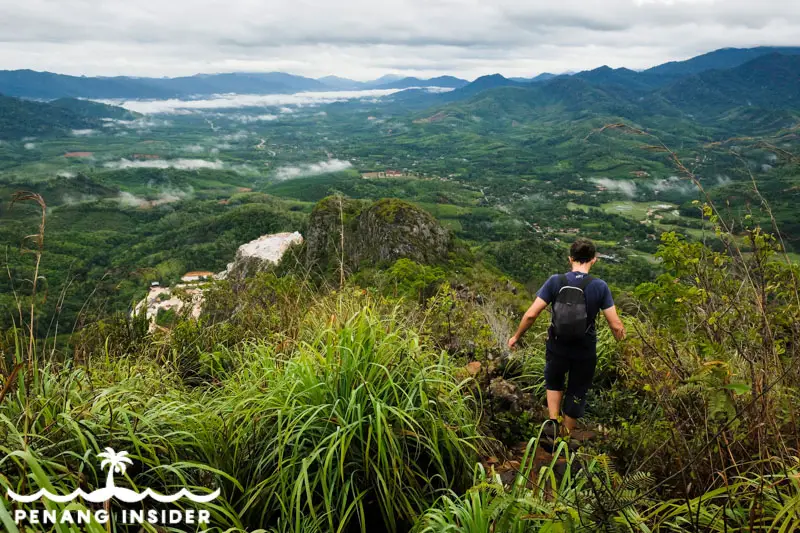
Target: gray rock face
<point>332,218</point>
<point>391,229</point>
<point>260,254</point>
<point>383,231</point>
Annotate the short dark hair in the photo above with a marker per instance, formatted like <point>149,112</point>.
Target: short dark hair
<point>582,250</point>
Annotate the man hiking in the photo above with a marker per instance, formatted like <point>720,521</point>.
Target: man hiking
<point>571,346</point>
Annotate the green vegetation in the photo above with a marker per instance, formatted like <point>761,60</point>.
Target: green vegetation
<point>314,409</point>
<point>363,384</point>
<point>21,118</point>
<point>104,260</point>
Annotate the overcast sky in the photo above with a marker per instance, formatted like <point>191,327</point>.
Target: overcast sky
<point>364,39</point>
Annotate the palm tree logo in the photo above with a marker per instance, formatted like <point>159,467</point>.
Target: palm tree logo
<point>116,462</point>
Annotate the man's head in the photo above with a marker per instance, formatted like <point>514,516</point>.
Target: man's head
<point>583,251</point>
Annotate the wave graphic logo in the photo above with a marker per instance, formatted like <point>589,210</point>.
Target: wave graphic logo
<point>116,463</point>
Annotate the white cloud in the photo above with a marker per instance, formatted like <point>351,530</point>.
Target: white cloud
<point>628,188</point>
<point>672,183</point>
<point>183,164</point>
<point>166,196</point>
<point>129,200</point>
<point>236,137</point>
<point>29,146</point>
<point>194,149</point>
<point>234,101</point>
<point>311,169</point>
<point>83,133</point>
<point>73,199</point>
<point>139,124</point>
<point>247,119</point>
<point>65,174</point>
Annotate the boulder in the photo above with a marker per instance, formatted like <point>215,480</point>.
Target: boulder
<point>505,396</point>
<point>392,229</point>
<point>332,222</point>
<point>372,233</point>
<point>259,255</point>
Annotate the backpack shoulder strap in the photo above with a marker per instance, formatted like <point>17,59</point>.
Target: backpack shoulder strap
<point>585,282</point>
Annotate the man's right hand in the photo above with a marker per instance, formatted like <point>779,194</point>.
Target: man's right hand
<point>512,342</point>
<point>614,322</point>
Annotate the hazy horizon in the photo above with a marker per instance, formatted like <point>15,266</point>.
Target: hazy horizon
<point>363,40</point>
<point>397,75</point>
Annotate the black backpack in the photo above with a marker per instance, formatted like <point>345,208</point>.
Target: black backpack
<point>570,320</point>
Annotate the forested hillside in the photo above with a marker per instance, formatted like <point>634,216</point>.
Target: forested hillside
<point>19,118</point>
<point>23,118</point>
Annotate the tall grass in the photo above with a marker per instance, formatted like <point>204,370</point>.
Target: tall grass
<point>358,419</point>
<point>559,493</point>
<point>55,423</point>
<point>353,426</point>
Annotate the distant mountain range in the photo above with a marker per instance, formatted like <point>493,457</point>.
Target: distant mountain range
<point>49,86</point>
<point>442,81</point>
<point>761,94</point>
<point>762,91</point>
<point>46,85</point>
<point>724,58</point>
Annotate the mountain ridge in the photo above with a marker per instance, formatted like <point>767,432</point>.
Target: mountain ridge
<point>722,58</point>
<point>28,83</point>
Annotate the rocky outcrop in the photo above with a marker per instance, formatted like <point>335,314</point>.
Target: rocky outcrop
<point>259,255</point>
<point>372,233</point>
<point>390,229</point>
<point>252,257</point>
<point>331,225</point>
<point>182,298</point>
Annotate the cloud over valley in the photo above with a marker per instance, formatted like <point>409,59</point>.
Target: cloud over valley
<point>311,169</point>
<point>182,164</point>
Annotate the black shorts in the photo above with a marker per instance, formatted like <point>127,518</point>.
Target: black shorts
<point>577,362</point>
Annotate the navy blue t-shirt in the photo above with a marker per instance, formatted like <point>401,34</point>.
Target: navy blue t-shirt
<point>597,293</point>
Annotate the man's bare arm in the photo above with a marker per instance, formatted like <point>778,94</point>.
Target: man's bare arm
<point>616,325</point>
<point>527,321</point>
